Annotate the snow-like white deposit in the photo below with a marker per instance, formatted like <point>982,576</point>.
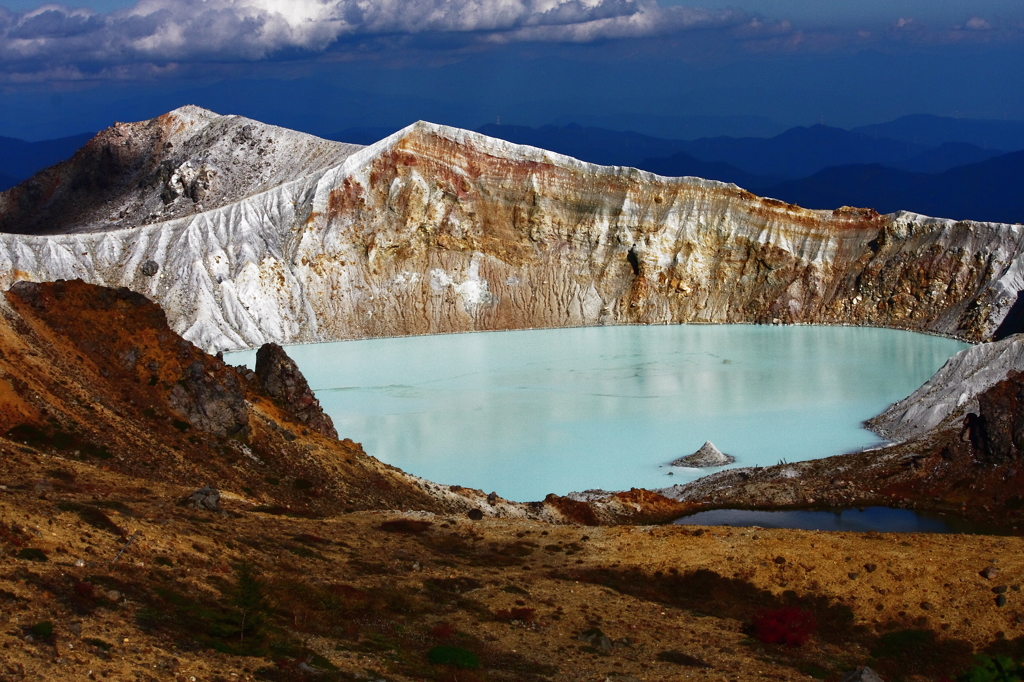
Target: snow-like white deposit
<point>953,391</point>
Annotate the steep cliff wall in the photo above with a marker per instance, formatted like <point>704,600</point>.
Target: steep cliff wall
<point>441,230</point>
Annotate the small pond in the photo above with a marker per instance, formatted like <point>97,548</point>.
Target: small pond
<point>880,519</point>
<point>527,413</point>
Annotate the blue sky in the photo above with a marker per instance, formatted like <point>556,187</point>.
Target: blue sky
<point>325,65</point>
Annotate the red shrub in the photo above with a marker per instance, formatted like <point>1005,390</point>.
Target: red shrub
<point>442,631</point>
<point>86,590</point>
<point>525,615</point>
<point>787,625</point>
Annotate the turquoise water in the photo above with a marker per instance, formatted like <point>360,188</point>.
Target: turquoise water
<point>527,413</point>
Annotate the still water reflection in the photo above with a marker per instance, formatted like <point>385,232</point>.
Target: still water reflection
<point>527,413</point>
<point>880,519</point>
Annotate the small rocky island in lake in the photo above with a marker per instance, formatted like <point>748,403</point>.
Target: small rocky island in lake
<point>707,456</point>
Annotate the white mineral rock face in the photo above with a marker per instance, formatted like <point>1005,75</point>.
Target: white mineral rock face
<point>952,392</point>
<point>262,234</point>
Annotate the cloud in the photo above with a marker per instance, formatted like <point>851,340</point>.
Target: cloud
<point>155,37</point>
<point>190,30</point>
<point>977,24</point>
<point>54,39</point>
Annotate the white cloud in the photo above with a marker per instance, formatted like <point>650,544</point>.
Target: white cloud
<point>255,29</point>
<point>156,36</point>
<point>978,24</point>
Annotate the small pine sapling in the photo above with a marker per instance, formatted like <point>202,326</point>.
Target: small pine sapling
<point>249,598</point>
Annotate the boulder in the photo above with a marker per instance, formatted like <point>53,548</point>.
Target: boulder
<point>205,499</point>
<point>707,456</point>
<point>211,401</point>
<point>281,378</point>
<point>864,674</point>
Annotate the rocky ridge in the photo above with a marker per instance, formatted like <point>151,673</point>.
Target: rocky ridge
<point>438,230</point>
<point>181,164</point>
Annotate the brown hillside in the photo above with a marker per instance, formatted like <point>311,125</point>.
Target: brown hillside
<point>95,374</point>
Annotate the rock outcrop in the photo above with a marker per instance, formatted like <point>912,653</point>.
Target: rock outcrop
<point>996,429</point>
<point>952,392</point>
<point>281,378</point>
<point>707,456</point>
<point>436,229</point>
<point>204,499</point>
<point>211,402</point>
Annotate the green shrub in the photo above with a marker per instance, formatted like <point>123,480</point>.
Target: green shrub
<point>42,630</point>
<point>996,669</point>
<point>453,656</point>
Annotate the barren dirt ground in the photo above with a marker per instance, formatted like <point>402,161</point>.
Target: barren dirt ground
<point>359,596</point>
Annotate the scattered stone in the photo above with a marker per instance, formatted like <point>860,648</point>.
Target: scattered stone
<point>475,514</point>
<point>780,560</point>
<point>113,595</point>
<point>492,498</point>
<point>150,268</point>
<point>989,572</point>
<point>75,629</point>
<point>44,486</point>
<point>926,606</point>
<point>864,674</point>
<point>1001,600</point>
<point>870,568</point>
<point>204,499</point>
<point>595,638</point>
<point>853,576</point>
<point>999,589</point>
<point>680,658</point>
<point>707,456</point>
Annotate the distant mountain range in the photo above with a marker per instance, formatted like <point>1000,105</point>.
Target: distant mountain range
<point>748,161</point>
<point>821,167</point>
<point>929,164</point>
<point>596,145</point>
<point>989,190</point>
<point>20,159</point>
<point>935,130</point>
